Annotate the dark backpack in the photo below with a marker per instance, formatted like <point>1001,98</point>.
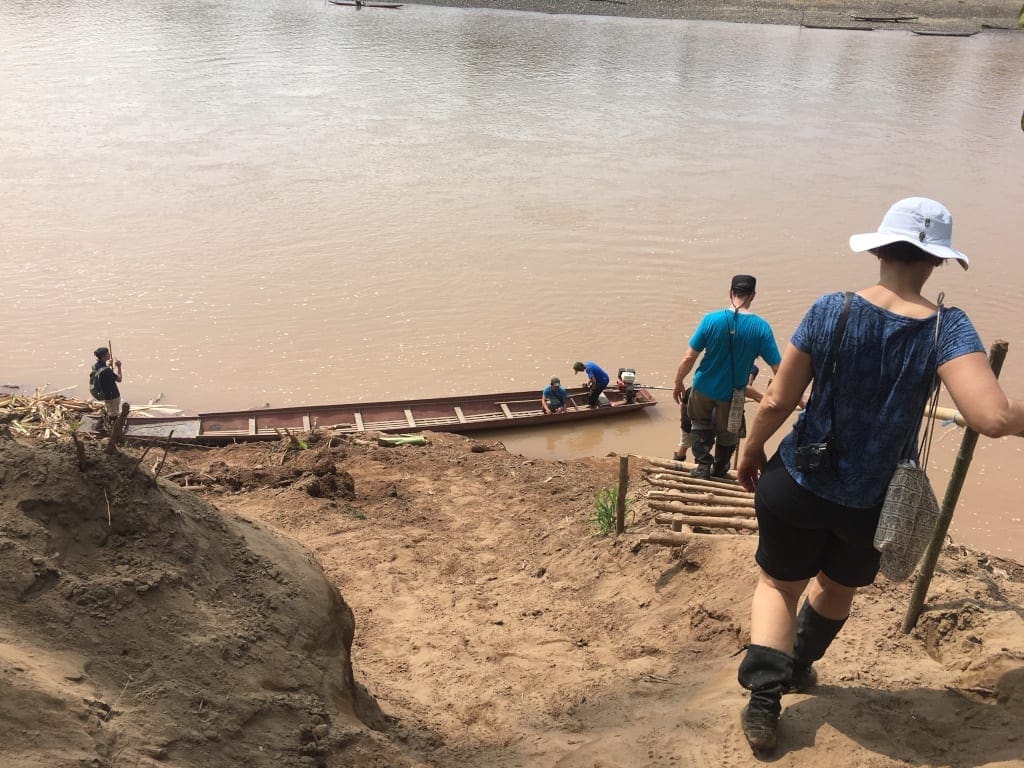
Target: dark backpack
<point>94,384</point>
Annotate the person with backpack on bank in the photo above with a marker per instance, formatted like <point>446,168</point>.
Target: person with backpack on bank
<point>103,381</point>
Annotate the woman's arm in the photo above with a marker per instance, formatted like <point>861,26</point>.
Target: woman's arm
<point>779,401</point>
<point>979,398</point>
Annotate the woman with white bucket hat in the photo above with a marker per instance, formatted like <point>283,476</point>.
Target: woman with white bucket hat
<point>818,499</point>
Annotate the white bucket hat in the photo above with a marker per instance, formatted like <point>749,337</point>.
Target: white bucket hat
<point>918,221</point>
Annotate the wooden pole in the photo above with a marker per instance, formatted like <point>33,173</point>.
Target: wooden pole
<point>700,498</point>
<point>117,431</point>
<point>686,477</point>
<point>675,466</point>
<point>952,414</point>
<point>676,539</point>
<point>707,522</point>
<point>664,481</point>
<point>996,355</point>
<point>697,509</point>
<point>620,502</point>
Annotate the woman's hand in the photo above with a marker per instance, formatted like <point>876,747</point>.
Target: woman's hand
<point>751,464</point>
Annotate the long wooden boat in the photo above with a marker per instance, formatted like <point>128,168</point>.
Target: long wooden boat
<point>462,415</point>
<point>830,26</point>
<point>365,5</point>
<point>883,19</point>
<point>940,33</point>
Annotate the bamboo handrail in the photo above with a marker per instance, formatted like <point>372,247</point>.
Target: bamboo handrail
<point>943,413</point>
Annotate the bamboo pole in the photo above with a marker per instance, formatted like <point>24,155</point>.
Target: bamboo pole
<point>620,502</point>
<point>713,482</point>
<point>943,413</point>
<point>662,481</point>
<point>700,498</point>
<point>996,355</point>
<point>676,539</point>
<point>715,522</point>
<point>697,509</point>
<point>677,466</point>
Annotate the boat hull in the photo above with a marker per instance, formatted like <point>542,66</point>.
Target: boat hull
<point>462,415</point>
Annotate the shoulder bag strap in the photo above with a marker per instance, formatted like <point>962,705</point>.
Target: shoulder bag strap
<point>832,361</point>
<point>933,394</point>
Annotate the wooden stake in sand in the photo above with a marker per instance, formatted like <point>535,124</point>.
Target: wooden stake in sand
<point>996,355</point>
<point>620,502</point>
<point>117,431</point>
<point>160,465</point>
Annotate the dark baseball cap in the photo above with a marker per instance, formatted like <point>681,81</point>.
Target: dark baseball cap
<point>743,285</point>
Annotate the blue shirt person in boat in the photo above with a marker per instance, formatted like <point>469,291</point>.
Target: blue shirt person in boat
<point>554,397</point>
<point>107,380</point>
<point>597,380</point>
<point>730,340</point>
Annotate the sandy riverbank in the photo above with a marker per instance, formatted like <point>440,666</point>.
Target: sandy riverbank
<point>440,606</point>
<point>946,15</point>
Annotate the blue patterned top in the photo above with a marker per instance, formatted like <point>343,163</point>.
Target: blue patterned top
<point>886,363</point>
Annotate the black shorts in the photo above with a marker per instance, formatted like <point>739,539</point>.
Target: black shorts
<point>801,534</point>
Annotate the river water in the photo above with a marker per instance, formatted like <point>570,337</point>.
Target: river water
<point>294,202</point>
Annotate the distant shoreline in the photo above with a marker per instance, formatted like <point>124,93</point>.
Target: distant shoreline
<point>944,15</point>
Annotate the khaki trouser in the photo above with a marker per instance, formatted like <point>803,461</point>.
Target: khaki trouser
<point>113,406</point>
<point>710,415</point>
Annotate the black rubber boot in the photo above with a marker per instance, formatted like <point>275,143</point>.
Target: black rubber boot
<point>814,634</point>
<point>766,673</point>
<point>723,458</point>
<point>703,442</point>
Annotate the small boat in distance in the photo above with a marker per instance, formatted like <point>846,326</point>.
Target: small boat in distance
<point>364,5</point>
<point>940,33</point>
<point>470,413</point>
<point>830,26</point>
<point>883,19</point>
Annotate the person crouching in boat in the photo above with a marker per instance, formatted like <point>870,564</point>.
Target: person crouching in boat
<point>554,397</point>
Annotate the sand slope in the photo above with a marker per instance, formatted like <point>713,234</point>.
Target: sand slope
<point>491,624</point>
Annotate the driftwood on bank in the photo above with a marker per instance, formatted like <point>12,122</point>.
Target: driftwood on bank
<point>700,509</point>
<point>707,521</point>
<point>117,431</point>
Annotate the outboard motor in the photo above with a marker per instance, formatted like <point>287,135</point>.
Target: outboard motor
<point>627,384</point>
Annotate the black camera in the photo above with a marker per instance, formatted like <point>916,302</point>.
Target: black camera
<point>816,457</point>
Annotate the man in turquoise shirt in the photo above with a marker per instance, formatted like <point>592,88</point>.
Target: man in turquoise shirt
<point>554,397</point>
<point>731,339</point>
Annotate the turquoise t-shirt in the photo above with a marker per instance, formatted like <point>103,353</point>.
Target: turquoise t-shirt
<point>886,364</point>
<point>555,397</point>
<point>726,366</point>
